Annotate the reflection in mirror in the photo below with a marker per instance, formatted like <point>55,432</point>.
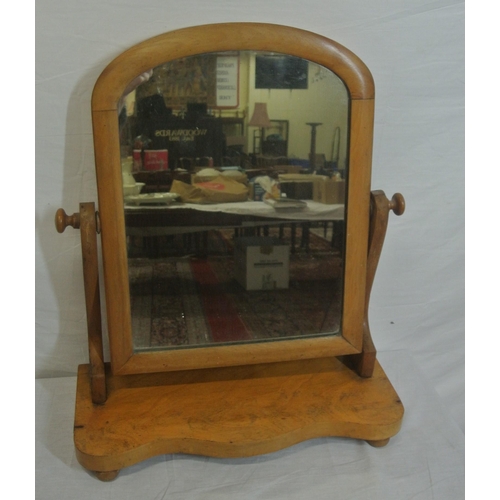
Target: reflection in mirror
<point>234,175</point>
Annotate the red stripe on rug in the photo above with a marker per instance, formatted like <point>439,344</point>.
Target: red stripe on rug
<point>222,316</point>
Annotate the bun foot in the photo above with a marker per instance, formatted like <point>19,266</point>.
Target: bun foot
<point>106,475</point>
<point>378,443</point>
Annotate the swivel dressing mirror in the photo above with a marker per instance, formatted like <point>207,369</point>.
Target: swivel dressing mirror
<point>240,241</point>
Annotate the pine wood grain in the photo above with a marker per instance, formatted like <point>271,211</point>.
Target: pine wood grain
<point>230,412</point>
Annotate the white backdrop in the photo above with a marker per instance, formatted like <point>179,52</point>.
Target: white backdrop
<point>414,49</point>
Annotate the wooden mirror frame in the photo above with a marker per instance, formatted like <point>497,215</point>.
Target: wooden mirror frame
<point>236,400</point>
<point>109,89</point>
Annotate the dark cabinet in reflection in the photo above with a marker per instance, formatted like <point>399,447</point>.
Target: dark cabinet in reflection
<point>275,141</point>
<point>194,138</point>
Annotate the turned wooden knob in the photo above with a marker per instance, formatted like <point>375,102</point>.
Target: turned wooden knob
<point>397,204</point>
<point>63,220</point>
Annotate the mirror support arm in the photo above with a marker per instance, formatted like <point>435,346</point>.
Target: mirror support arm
<point>87,220</point>
<point>380,206</point>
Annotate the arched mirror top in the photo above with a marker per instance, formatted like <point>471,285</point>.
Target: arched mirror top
<point>336,207</point>
<point>117,76</point>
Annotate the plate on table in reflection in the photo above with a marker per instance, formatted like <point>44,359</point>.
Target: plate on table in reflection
<point>152,199</point>
<point>284,204</point>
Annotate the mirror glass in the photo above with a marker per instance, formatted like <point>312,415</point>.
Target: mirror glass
<point>234,170</point>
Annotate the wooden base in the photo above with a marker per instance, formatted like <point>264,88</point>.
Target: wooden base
<point>230,412</point>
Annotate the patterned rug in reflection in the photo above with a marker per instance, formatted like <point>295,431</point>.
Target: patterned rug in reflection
<point>191,300</point>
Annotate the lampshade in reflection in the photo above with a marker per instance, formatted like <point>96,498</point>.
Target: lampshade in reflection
<point>260,118</point>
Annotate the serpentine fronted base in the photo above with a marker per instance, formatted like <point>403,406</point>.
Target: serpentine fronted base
<point>230,412</point>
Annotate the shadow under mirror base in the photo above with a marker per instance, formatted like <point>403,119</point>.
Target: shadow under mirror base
<point>230,412</point>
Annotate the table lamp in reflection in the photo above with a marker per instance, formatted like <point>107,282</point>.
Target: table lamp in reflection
<point>260,119</point>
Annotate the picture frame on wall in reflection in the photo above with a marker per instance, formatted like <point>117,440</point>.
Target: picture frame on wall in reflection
<point>278,71</point>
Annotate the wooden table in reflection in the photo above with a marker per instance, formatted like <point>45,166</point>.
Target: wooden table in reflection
<point>151,222</point>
